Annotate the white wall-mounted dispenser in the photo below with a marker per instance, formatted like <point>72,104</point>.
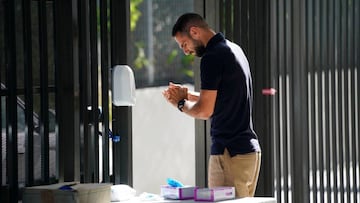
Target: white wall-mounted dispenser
<point>123,86</point>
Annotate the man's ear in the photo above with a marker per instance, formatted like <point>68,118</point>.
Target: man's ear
<point>194,32</point>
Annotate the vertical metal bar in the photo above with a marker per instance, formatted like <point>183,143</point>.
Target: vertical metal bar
<point>29,107</point>
<point>275,74</point>
<point>274,66</point>
<point>352,104</point>
<point>327,95</point>
<point>303,71</point>
<point>349,111</point>
<point>222,26</point>
<point>105,87</point>
<point>299,140</point>
<point>348,106</point>
<point>337,68</point>
<point>259,46</point>
<point>318,101</point>
<point>286,129</point>
<point>305,124</point>
<point>283,172</point>
<point>311,87</point>
<point>11,107</point>
<point>94,84</point>
<point>67,89</point>
<point>342,102</point>
<point>244,32</point>
<point>2,127</point>
<point>237,22</point>
<point>321,99</point>
<point>83,104</point>
<point>356,94</point>
<point>44,111</point>
<point>3,94</point>
<point>285,139</point>
<point>345,106</point>
<point>330,30</point>
<point>86,132</point>
<point>333,123</point>
<point>228,19</point>
<point>2,67</point>
<point>339,103</point>
<point>252,34</point>
<point>215,17</point>
<point>122,116</point>
<point>289,86</point>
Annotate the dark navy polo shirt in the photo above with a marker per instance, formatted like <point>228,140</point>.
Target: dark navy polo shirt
<point>224,68</point>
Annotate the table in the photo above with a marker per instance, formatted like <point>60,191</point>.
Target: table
<point>241,200</point>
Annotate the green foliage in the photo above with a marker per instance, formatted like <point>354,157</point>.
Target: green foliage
<point>173,54</point>
<point>187,61</point>
<point>135,13</point>
<point>167,61</point>
<point>141,59</point>
<point>188,72</point>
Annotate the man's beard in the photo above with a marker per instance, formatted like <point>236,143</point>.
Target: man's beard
<point>199,48</point>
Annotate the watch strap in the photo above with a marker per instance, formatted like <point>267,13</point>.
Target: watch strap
<point>181,105</point>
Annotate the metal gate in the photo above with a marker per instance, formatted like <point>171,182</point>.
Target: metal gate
<point>314,61</point>
<point>54,110</point>
<point>309,52</point>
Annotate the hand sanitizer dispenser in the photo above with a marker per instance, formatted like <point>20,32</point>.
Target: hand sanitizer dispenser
<point>123,86</point>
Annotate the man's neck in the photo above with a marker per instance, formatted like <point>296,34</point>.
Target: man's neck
<point>207,35</point>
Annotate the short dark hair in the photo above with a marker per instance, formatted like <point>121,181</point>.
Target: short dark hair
<point>187,20</point>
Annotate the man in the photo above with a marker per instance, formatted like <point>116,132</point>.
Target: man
<point>225,98</point>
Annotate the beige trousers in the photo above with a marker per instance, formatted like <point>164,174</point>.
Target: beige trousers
<point>240,171</point>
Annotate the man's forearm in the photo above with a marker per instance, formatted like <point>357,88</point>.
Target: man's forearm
<point>193,109</point>
<point>193,96</point>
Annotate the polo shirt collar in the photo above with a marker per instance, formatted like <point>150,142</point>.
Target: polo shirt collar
<point>215,39</point>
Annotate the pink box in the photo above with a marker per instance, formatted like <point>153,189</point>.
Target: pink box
<point>214,194</point>
<point>182,193</point>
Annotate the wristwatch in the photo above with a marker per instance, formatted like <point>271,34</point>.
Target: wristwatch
<point>181,105</point>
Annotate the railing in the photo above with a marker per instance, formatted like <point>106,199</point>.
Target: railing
<point>50,62</point>
<point>308,51</point>
<point>314,58</point>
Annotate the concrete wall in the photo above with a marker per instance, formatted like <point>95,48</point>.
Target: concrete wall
<point>163,142</point>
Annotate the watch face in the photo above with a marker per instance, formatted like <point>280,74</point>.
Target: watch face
<point>181,104</point>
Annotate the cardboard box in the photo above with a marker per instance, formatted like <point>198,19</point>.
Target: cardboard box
<point>68,192</point>
<point>181,193</point>
<point>214,194</point>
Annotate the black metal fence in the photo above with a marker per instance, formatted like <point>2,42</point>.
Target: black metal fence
<point>314,61</point>
<point>309,52</point>
<point>51,120</point>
